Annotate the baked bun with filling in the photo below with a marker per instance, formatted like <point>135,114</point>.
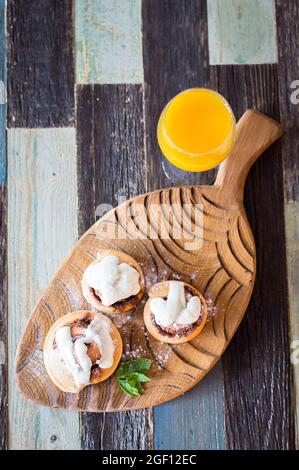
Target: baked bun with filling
<point>81,348</point>
<point>175,312</point>
<point>113,283</point>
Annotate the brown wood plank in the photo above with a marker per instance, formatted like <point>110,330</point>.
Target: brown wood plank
<point>175,55</point>
<point>287,17</point>
<point>111,167</point>
<point>40,63</point>
<point>128,430</point>
<point>287,20</point>
<point>3,323</point>
<point>257,374</point>
<point>292,241</point>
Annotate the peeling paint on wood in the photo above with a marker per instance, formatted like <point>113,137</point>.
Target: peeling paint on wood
<point>109,50</point>
<point>242,32</point>
<point>42,222</point>
<point>108,41</point>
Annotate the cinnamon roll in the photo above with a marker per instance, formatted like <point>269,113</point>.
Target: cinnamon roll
<point>113,283</point>
<point>81,348</point>
<point>175,312</point>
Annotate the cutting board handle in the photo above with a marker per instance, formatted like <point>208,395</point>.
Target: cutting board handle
<point>255,133</point>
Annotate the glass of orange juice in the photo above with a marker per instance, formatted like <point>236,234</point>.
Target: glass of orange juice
<point>196,130</point>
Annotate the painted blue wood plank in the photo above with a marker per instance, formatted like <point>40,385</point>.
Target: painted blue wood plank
<point>108,41</point>
<point>42,224</point>
<point>180,427</point>
<point>242,32</point>
<point>291,211</point>
<point>2,143</point>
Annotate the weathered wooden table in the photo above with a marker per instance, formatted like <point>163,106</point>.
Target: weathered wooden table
<point>86,82</point>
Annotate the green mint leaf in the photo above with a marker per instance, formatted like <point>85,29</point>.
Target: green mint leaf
<point>135,384</point>
<point>130,375</point>
<point>130,389</point>
<point>140,377</point>
<point>140,365</point>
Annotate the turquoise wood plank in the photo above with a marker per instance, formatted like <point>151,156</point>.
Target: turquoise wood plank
<point>2,94</point>
<point>3,239</point>
<point>242,31</point>
<point>2,143</point>
<point>42,223</point>
<point>108,41</point>
<point>179,427</point>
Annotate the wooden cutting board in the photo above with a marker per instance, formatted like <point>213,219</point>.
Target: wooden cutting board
<point>209,245</point>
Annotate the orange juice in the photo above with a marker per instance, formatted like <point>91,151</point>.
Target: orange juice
<point>196,130</point>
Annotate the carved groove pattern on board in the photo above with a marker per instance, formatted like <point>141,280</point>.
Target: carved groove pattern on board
<point>223,268</point>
